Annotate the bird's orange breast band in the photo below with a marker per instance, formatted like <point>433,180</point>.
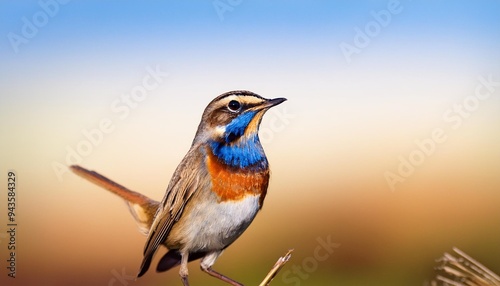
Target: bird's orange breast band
<point>234,185</point>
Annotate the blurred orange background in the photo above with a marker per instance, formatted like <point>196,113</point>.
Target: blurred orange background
<point>330,146</point>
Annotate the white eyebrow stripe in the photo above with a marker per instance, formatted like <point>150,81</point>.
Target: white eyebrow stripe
<point>244,99</point>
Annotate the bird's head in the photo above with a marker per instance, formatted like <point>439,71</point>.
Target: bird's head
<point>234,116</point>
<point>229,128</point>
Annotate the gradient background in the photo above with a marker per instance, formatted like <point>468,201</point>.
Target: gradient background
<point>348,123</point>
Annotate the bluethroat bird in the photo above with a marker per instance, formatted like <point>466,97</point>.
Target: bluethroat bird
<point>215,192</point>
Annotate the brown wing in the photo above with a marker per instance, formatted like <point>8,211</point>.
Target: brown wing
<point>183,184</point>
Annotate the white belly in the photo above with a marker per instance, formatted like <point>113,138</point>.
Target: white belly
<point>215,226</point>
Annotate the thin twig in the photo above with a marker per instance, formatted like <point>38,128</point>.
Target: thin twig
<point>276,268</point>
<point>463,270</point>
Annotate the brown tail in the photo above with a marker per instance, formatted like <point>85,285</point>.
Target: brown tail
<point>142,208</point>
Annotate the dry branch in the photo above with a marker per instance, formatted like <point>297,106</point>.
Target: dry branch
<point>276,268</point>
<point>463,270</point>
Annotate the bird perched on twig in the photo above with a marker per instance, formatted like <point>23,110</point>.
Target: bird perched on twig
<point>217,189</point>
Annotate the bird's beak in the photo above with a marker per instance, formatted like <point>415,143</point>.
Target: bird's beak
<point>271,102</point>
<point>259,110</point>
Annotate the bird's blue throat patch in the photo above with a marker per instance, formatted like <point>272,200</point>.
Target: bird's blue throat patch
<point>245,153</point>
<point>236,128</point>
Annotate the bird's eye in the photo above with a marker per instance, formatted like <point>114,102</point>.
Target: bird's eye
<point>234,105</point>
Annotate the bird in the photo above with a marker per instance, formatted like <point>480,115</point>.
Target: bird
<point>217,189</point>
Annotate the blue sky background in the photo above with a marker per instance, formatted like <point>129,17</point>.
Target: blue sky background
<point>349,122</point>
